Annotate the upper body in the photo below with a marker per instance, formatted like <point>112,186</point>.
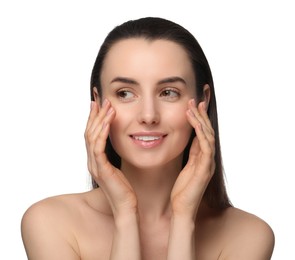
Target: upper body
<point>153,149</point>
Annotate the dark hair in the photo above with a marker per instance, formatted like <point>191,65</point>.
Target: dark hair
<point>151,28</point>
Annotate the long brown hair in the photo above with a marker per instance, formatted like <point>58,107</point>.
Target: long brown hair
<point>151,28</point>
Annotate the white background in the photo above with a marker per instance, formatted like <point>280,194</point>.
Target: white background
<point>47,50</point>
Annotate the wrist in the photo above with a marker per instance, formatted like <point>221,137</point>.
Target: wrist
<point>182,238</point>
<point>187,214</point>
<point>185,221</point>
<point>126,219</point>
<point>126,237</point>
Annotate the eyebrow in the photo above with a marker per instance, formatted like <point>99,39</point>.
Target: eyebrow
<point>172,80</point>
<point>162,81</point>
<point>124,80</point>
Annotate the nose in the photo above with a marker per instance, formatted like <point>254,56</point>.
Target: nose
<point>148,111</point>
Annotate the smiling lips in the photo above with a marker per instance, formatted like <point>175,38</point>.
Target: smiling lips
<point>148,140</point>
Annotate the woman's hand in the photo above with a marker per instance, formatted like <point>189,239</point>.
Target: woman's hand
<point>122,199</point>
<point>190,185</point>
<point>192,181</point>
<point>110,179</point>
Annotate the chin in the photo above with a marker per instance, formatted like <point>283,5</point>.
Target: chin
<point>154,162</point>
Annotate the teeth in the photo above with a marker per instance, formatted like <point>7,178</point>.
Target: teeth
<point>146,138</point>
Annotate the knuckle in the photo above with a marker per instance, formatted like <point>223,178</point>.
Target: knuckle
<point>210,151</point>
<point>87,136</point>
<point>90,138</point>
<point>97,151</point>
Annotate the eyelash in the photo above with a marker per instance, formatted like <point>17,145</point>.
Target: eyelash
<point>171,90</point>
<point>121,94</point>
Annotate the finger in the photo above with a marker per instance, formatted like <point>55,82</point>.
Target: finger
<point>99,164</point>
<point>92,114</point>
<point>99,137</point>
<point>96,137</point>
<point>204,155</point>
<point>100,114</point>
<point>204,136</point>
<point>194,151</point>
<point>204,141</point>
<point>203,111</point>
<point>201,114</point>
<point>98,155</point>
<point>96,121</point>
<point>100,134</point>
<point>208,129</point>
<point>195,117</point>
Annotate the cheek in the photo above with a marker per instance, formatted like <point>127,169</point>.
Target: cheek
<point>177,116</point>
<point>184,127</point>
<point>178,122</point>
<point>118,125</point>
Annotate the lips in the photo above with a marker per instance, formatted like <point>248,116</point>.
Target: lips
<point>148,140</point>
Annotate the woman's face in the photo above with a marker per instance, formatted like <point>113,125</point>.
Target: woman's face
<point>149,84</point>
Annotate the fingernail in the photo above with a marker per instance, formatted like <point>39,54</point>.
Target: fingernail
<point>193,102</point>
<point>105,102</point>
<point>110,111</point>
<point>190,112</point>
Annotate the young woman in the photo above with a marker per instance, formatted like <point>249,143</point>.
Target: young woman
<point>154,157</point>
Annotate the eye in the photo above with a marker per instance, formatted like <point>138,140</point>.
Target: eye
<point>170,93</point>
<point>125,94</point>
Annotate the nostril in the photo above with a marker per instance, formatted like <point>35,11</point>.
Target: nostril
<point>149,120</point>
<point>148,111</point>
<point>146,118</point>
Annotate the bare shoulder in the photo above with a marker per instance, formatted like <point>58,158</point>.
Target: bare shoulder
<point>247,236</point>
<point>54,210</point>
<point>50,227</point>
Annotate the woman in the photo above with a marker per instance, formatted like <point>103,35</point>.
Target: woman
<point>154,157</point>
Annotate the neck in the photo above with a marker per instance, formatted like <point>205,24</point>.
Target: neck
<point>153,188</point>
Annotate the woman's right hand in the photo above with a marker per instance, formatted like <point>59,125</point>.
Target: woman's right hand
<point>111,180</point>
<point>117,189</point>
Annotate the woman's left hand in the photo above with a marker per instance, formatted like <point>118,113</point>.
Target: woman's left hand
<point>192,181</point>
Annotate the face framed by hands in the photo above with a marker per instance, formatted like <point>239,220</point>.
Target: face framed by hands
<point>149,84</point>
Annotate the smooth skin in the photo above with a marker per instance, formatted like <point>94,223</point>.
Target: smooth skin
<point>150,208</point>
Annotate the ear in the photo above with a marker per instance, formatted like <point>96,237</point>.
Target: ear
<point>96,96</point>
<point>206,95</point>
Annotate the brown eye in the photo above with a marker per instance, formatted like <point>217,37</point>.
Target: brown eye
<point>125,94</point>
<point>170,93</point>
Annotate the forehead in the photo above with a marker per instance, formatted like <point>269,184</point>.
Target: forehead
<point>138,56</point>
